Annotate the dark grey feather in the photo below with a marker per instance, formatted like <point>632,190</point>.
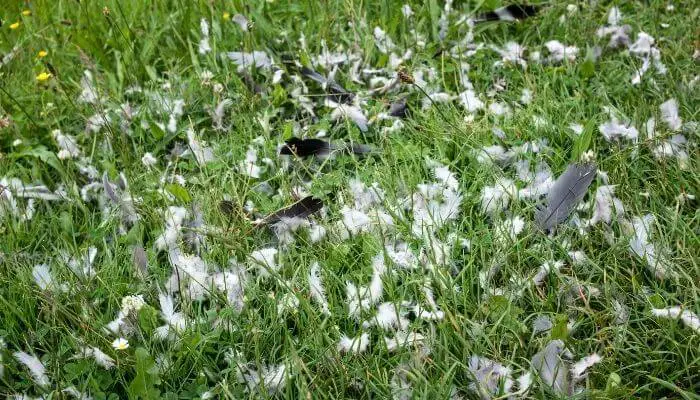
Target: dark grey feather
<point>398,109</point>
<point>125,203</point>
<point>567,191</point>
<point>122,182</point>
<point>358,149</point>
<point>336,92</point>
<point>109,190</point>
<point>140,261</point>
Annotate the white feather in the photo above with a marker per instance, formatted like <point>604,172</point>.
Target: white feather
<point>388,317</point>
<point>318,293</point>
<point>403,339</point>
<point>669,112</point>
<point>497,197</point>
<point>265,260</point>
<point>100,357</point>
<point>42,277</point>
<point>353,345</point>
<point>36,368</point>
<point>641,246</point>
<point>689,318</point>
<point>579,368</point>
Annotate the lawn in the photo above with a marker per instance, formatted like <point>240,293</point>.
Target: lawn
<point>160,240</point>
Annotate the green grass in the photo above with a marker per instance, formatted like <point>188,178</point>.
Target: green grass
<point>146,44</point>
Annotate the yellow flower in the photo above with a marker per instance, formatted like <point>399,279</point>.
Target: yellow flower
<point>227,15</point>
<point>43,77</point>
<point>42,54</point>
<point>15,25</point>
<point>27,13</point>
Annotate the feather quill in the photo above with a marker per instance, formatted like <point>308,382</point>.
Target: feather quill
<point>566,192</point>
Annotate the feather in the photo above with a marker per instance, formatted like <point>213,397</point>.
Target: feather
<point>242,21</point>
<point>305,147</point>
<point>398,109</point>
<point>140,259</point>
<point>301,209</point>
<point>689,318</point>
<point>123,200</point>
<point>318,293</point>
<point>250,83</point>
<point>35,366</point>
<point>100,357</point>
<point>230,209</point>
<point>109,190</point>
<point>358,148</point>
<point>318,147</point>
<point>566,192</point>
<point>194,236</point>
<point>578,369</point>
<point>336,92</point>
<point>122,183</point>
<point>353,344</point>
<point>513,12</point>
<point>42,277</point>
<point>552,364</point>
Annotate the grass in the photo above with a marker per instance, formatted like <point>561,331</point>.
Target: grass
<point>148,44</point>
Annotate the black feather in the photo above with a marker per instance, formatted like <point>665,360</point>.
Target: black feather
<point>301,209</point>
<point>317,147</point>
<point>523,11</point>
<point>568,190</point>
<point>313,75</point>
<point>509,13</point>
<point>305,147</point>
<point>336,92</point>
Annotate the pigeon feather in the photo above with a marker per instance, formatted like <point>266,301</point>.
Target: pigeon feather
<point>566,192</point>
<point>513,12</point>
<point>306,147</point>
<point>398,108</point>
<point>317,147</point>
<point>336,92</point>
<point>301,209</point>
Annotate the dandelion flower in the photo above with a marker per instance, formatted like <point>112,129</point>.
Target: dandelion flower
<point>42,54</point>
<point>120,344</point>
<point>43,77</point>
<point>27,13</point>
<point>15,25</point>
<point>227,15</point>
